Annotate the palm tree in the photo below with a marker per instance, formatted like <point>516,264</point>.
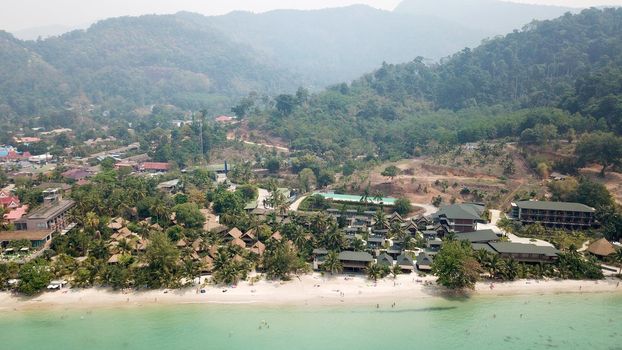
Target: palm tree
<point>378,199</point>
<point>332,264</point>
<point>380,220</point>
<point>333,240</point>
<point>91,221</point>
<point>374,271</point>
<point>396,270</point>
<point>397,232</point>
<point>511,269</point>
<point>482,257</point>
<point>451,236</point>
<point>160,210</point>
<point>494,265</point>
<point>365,195</point>
<point>357,245</point>
<point>299,237</point>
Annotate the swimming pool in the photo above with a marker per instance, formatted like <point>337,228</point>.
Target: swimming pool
<point>350,198</point>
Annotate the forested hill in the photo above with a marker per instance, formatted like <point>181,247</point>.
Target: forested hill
<point>340,44</point>
<point>27,81</point>
<point>134,61</point>
<point>195,62</point>
<point>540,66</point>
<point>488,17</point>
<point>499,89</point>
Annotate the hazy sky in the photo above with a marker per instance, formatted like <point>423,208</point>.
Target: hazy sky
<point>21,14</point>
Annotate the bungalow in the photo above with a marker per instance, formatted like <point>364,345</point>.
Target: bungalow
<point>424,262</point>
<point>355,261</point>
<point>384,259</point>
<point>406,263</point>
<point>601,248</point>
<point>258,248</point>
<point>238,242</point>
<point>249,237</point>
<point>434,246</point>
<point>276,236</point>
<point>375,241</point>
<point>460,217</point>
<point>395,217</point>
<point>232,234</point>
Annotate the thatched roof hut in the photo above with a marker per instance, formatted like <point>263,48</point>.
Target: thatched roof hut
<point>602,248</point>
<point>258,248</point>
<point>114,259</point>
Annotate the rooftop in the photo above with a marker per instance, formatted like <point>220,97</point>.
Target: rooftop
<point>520,248</point>
<point>558,206</point>
<point>38,235</point>
<point>602,247</point>
<point>461,211</point>
<point>47,211</point>
<point>478,236</point>
<point>356,256</point>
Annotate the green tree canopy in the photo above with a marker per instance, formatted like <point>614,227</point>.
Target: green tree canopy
<point>455,266</point>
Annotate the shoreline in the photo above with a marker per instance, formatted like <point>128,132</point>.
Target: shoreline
<point>308,290</point>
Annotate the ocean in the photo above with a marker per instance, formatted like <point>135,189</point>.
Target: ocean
<point>588,321</point>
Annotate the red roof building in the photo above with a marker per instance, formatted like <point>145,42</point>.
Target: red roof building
<point>10,202</point>
<point>225,119</point>
<point>16,213</point>
<point>155,166</point>
<point>27,139</point>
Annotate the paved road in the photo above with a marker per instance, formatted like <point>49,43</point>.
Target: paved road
<point>294,206</point>
<point>495,216</point>
<point>428,209</point>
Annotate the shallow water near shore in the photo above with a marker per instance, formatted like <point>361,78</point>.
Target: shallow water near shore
<point>516,322</point>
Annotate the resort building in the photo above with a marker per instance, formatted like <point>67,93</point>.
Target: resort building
<point>570,216</point>
<point>460,217</point>
<point>350,261</point>
<point>37,238</point>
<point>483,236</point>
<point>355,261</point>
<point>528,253</point>
<point>51,215</point>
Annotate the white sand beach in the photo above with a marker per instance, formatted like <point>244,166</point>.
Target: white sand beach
<point>313,289</point>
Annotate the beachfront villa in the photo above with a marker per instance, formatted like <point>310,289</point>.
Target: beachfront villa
<point>564,215</point>
<point>424,262</point>
<point>525,253</point>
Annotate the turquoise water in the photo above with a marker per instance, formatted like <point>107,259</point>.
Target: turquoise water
<point>354,198</point>
<point>548,322</point>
